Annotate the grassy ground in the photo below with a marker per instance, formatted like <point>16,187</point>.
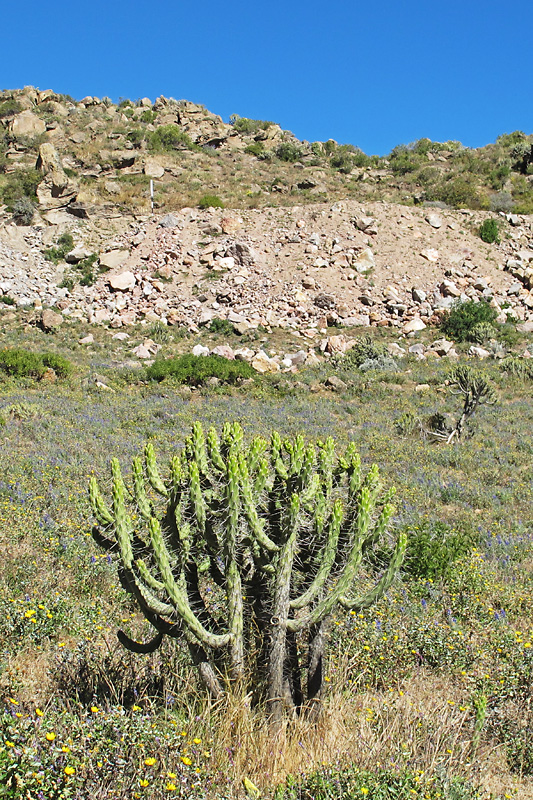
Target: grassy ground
<point>428,691</point>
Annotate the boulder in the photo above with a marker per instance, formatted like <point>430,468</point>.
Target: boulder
<point>122,282</point>
<point>200,350</point>
<point>153,168</point>
<point>335,383</point>
<point>364,261</point>
<point>263,364</point>
<point>434,220</point>
<point>51,320</point>
<point>27,124</point>
<point>57,189</point>
<point>224,351</point>
<point>414,325</point>
<point>113,258</point>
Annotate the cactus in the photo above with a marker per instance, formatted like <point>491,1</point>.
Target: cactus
<point>244,551</point>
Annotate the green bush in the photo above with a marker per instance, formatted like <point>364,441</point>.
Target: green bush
<point>433,548</point>
<point>210,201</point>
<point>463,318</point>
<point>9,107</point>
<point>196,370</point>
<point>354,784</point>
<point>223,326</point>
<point>168,138</point>
<point>19,363</point>
<point>289,151</point>
<point>489,231</point>
<point>19,184</point>
<point>23,211</point>
<point>64,245</point>
<point>256,149</point>
<point>247,126</point>
<point>364,349</point>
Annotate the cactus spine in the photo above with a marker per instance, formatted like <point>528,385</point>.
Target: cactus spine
<point>244,551</point>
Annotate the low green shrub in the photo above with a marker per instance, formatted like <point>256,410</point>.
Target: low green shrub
<point>354,784</point>
<point>433,549</point>
<point>19,184</point>
<point>196,370</point>
<point>364,349</point>
<point>23,211</point>
<point>9,107</point>
<point>210,201</point>
<point>464,317</point>
<point>168,138</point>
<point>256,149</point>
<point>489,231</point>
<point>289,151</point>
<point>247,126</point>
<point>20,363</point>
<point>223,326</point>
<point>64,245</point>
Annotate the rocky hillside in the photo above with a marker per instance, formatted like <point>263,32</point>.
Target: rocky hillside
<point>313,238</point>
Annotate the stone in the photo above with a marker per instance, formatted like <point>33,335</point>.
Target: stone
<point>244,354</point>
<point>478,352</point>
<point>335,383</point>
<point>414,325</point>
<point>169,221</point>
<point>122,282</point>
<point>357,321</point>
<point>153,168</point>
<point>421,388</point>
<point>231,224</point>
<point>336,344</point>
<point>434,220</point>
<point>525,327</point>
<point>394,349</point>
<point>308,282</point>
<point>89,339</point>
<point>224,351</point>
<point>113,258</point>
<point>57,189</point>
<point>142,352</point>
<point>365,224</point>
<point>27,124</point>
<point>263,364</point>
<point>418,295</point>
<point>76,255</point>
<point>449,289</point>
<point>418,350</point>
<point>325,301</point>
<point>430,254</point>
<point>51,320</point>
<point>295,359</point>
<point>200,350</point>
<point>442,347</point>
<point>364,261</point>
<point>242,254</point>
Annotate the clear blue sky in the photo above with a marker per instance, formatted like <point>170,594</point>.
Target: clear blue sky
<point>373,74</point>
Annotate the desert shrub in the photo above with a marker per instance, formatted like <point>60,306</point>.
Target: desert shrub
<point>223,326</point>
<point>489,231</point>
<point>20,363</point>
<point>457,191</point>
<point>64,245</point>
<point>502,201</point>
<point>407,423</point>
<point>433,549</point>
<point>7,300</point>
<point>19,184</point>
<point>148,116</point>
<point>383,363</point>
<point>168,138</point>
<point>256,149</point>
<point>196,370</point>
<point>364,349</point>
<point>289,151</point>
<point>210,201</point>
<point>463,317</point>
<point>249,126</point>
<point>9,107</point>
<point>23,211</point>
<point>136,136</point>
<point>353,784</point>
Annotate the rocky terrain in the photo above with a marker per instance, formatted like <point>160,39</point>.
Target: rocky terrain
<point>304,267</point>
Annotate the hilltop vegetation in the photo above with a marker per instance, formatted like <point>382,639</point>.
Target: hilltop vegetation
<point>112,150</point>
